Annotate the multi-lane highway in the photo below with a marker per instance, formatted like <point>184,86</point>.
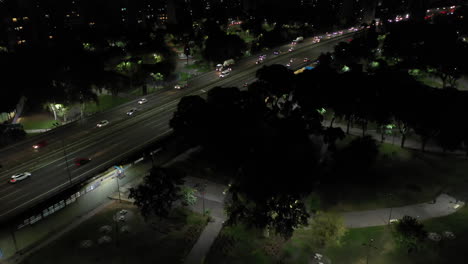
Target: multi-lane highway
<point>108,144</point>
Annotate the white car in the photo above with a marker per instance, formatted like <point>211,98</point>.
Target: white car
<point>102,123</point>
<point>131,111</point>
<point>225,73</point>
<point>19,177</point>
<point>142,101</point>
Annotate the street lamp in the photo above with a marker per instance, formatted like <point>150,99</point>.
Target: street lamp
<point>66,162</point>
<point>119,172</point>
<point>368,246</point>
<point>390,198</point>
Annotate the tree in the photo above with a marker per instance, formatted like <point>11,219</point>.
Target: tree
<point>222,47</point>
<point>281,213</point>
<point>357,158</point>
<point>188,195</point>
<point>159,190</point>
<point>190,118</point>
<point>409,233</point>
<point>326,230</point>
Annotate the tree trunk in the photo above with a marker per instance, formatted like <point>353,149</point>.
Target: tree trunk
<point>423,144</point>
<point>347,127</point>
<point>403,139</point>
<point>54,111</point>
<point>364,128</point>
<point>382,134</point>
<point>333,120</point>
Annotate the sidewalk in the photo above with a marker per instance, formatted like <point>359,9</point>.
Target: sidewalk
<point>214,202</point>
<point>444,205</point>
<point>33,237</point>
<point>410,143</point>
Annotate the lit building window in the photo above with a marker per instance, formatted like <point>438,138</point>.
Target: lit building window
<point>51,37</point>
<point>14,19</point>
<point>25,18</point>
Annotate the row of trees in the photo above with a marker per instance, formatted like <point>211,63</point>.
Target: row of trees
<point>73,72</point>
<point>271,134</point>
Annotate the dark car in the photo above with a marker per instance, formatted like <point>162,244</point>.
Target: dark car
<point>40,144</point>
<point>82,161</point>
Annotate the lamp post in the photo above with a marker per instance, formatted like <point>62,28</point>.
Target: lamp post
<point>119,172</point>
<point>13,236</point>
<point>390,198</point>
<point>66,162</point>
<point>368,246</point>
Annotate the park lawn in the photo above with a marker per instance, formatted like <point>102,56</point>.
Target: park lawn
<point>34,123</point>
<point>200,67</point>
<point>149,89</point>
<point>155,241</point>
<point>352,251</point>
<point>105,102</point>
<point>409,177</point>
<point>238,244</point>
<point>184,76</point>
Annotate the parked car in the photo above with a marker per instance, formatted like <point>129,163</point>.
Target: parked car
<point>142,101</point>
<point>82,161</point>
<point>102,123</point>
<point>19,177</point>
<point>40,144</point>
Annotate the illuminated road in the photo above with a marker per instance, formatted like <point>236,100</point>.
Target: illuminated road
<point>108,144</point>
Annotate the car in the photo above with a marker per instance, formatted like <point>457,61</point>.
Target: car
<point>306,60</point>
<point>19,177</point>
<point>290,49</point>
<point>82,161</point>
<point>224,74</point>
<point>276,52</point>
<point>246,84</point>
<point>102,123</point>
<point>131,111</point>
<point>142,101</point>
<point>259,61</point>
<point>288,64</point>
<point>40,144</point>
<point>180,86</point>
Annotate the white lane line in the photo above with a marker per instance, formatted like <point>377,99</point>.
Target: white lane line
<point>79,176</point>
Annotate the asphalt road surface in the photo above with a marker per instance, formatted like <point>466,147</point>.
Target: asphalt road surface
<point>108,144</point>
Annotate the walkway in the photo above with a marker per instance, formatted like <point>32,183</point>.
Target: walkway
<point>212,200</point>
<point>410,143</point>
<point>443,205</point>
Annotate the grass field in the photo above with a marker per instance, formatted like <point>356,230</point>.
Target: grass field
<point>38,124</point>
<point>156,241</point>
<point>105,102</point>
<point>400,177</point>
<point>241,245</point>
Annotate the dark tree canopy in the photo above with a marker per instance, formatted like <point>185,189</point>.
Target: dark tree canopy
<point>159,190</point>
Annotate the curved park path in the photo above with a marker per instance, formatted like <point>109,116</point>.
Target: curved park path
<point>443,205</point>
